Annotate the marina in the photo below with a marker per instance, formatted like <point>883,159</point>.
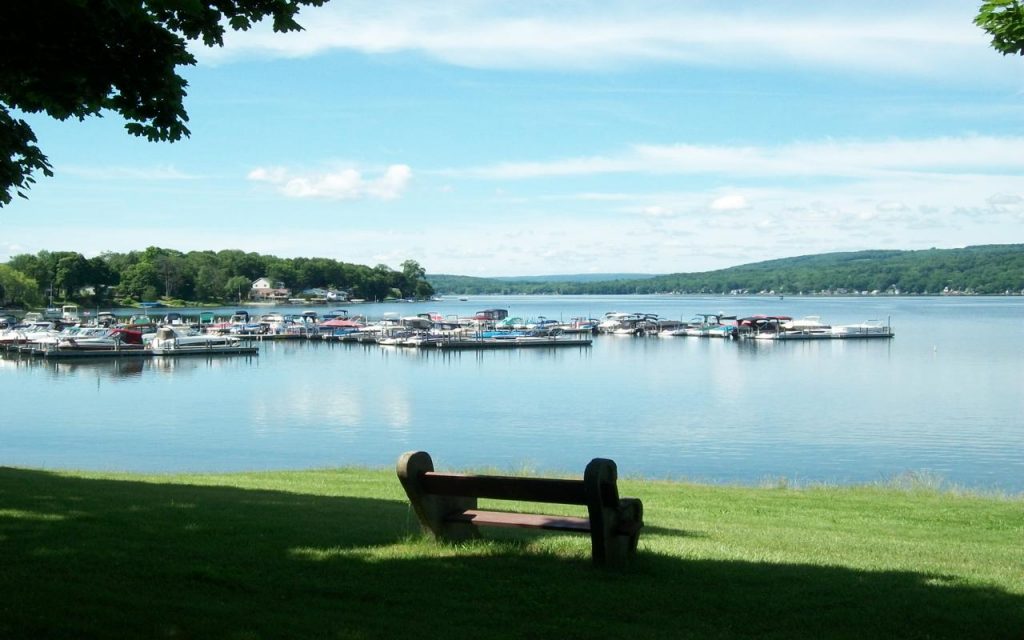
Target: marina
<point>179,334</point>
<point>938,403</point>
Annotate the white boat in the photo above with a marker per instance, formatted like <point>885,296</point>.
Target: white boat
<point>419,323</point>
<point>710,325</point>
<point>580,324</point>
<point>30,332</point>
<point>812,328</point>
<point>184,341</point>
<point>101,339</point>
<point>629,324</point>
<point>869,329</point>
<point>807,323</point>
<point>85,335</point>
<point>611,321</point>
<point>394,337</point>
<point>423,340</point>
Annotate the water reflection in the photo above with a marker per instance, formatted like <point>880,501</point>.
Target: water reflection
<point>189,364</point>
<point>113,368</point>
<point>938,397</point>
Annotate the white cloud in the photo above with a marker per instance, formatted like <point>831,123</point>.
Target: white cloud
<point>889,206</point>
<point>10,249</point>
<point>268,174</point>
<point>913,38</point>
<point>844,159</point>
<point>391,184</point>
<point>732,202</point>
<point>657,211</point>
<point>342,184</point>
<point>1006,202</point>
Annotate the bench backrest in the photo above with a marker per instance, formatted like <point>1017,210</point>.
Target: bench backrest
<point>598,486</point>
<point>505,488</point>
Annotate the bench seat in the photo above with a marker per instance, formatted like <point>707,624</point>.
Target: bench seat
<point>525,520</point>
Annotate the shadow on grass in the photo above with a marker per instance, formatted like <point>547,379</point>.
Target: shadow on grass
<point>674,533</point>
<point>110,559</point>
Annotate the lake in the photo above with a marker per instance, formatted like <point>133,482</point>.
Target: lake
<point>943,400</point>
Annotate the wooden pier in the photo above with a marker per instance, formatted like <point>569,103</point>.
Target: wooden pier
<point>514,343</point>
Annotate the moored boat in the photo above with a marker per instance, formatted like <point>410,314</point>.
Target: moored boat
<point>176,341</point>
<point>869,329</point>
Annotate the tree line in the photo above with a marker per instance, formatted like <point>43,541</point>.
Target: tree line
<point>983,270</point>
<point>28,280</point>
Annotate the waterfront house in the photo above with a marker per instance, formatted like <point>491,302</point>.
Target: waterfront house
<point>264,289</point>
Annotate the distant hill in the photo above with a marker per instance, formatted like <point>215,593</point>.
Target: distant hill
<point>577,277</point>
<point>983,269</point>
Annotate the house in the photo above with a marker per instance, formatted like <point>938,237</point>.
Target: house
<point>319,293</point>
<point>265,289</point>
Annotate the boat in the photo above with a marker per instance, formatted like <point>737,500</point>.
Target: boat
<point>141,322</point>
<point>87,336</point>
<point>722,331</point>
<point>810,328</point>
<point>102,340</point>
<point>423,340</point>
<point>580,324</point>
<point>240,323</point>
<point>174,318</point>
<point>88,342</point>
<point>709,325</point>
<point>178,341</point>
<point>493,315</point>
<point>806,328</point>
<point>340,328</point>
<point>611,321</point>
<point>760,326</point>
<point>397,335</point>
<point>106,319</point>
<point>869,329</point>
<point>628,324</point>
<point>29,332</point>
<point>418,323</point>
<point>635,324</point>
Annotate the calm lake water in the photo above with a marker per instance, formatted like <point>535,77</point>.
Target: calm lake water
<point>944,398</point>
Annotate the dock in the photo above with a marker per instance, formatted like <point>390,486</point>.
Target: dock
<point>53,353</point>
<point>514,343</point>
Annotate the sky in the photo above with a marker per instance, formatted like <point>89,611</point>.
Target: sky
<point>500,139</point>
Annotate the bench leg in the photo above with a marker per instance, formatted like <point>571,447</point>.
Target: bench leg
<point>433,510</point>
<point>614,524</point>
<point>622,542</point>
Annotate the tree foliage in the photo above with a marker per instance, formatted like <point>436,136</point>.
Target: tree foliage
<point>988,269</point>
<point>80,58</point>
<point>16,288</point>
<point>201,276</point>
<point>1004,21</point>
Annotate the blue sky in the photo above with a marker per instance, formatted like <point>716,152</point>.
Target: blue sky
<point>486,138</point>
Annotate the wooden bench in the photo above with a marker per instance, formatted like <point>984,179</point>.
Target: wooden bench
<point>446,505</point>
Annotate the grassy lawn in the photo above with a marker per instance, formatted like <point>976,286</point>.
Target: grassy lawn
<point>337,554</point>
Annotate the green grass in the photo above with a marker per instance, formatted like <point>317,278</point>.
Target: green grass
<point>337,554</point>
